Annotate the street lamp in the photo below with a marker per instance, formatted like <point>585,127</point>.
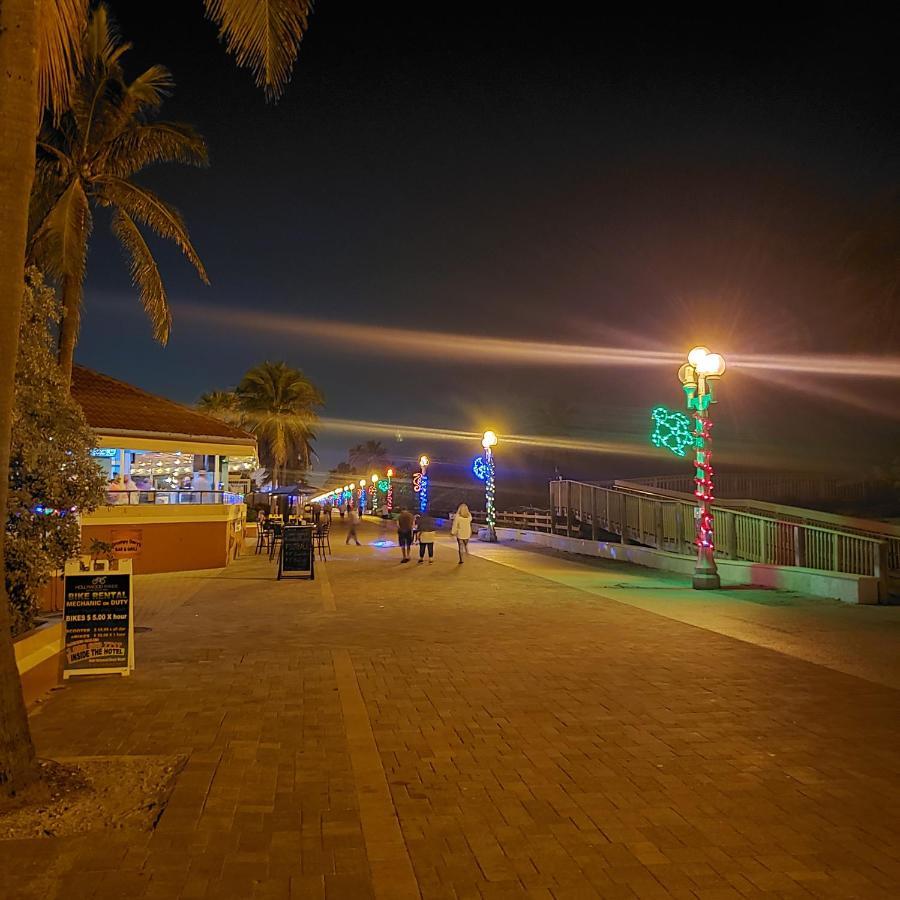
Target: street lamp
<point>489,440</point>
<point>697,376</point>
<point>420,482</point>
<point>389,500</point>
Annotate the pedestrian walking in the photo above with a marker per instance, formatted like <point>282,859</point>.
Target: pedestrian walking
<point>462,530</point>
<point>352,522</point>
<point>405,533</point>
<point>426,537</point>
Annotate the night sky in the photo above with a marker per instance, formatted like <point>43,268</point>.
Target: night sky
<point>568,175</point>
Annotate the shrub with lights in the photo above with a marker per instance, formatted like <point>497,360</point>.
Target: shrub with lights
<point>52,475</point>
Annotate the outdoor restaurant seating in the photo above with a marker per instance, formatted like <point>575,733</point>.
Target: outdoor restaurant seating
<point>321,540</point>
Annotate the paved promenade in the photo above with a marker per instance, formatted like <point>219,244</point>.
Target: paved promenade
<point>519,726</point>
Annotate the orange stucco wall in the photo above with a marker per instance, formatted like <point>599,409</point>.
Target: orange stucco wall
<point>177,546</point>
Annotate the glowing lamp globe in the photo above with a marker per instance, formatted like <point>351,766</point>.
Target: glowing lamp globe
<point>711,365</point>
<point>489,440</point>
<point>362,482</point>
<point>374,478</point>
<point>390,473</point>
<point>423,460</point>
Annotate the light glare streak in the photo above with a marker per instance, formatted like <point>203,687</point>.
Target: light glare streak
<point>495,351</point>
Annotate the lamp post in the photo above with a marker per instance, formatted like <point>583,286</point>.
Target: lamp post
<point>697,376</point>
<point>420,483</point>
<point>374,493</point>
<point>488,441</point>
<point>389,500</point>
<point>362,497</point>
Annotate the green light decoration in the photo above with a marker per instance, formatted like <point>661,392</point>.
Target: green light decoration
<point>671,430</point>
<point>383,485</point>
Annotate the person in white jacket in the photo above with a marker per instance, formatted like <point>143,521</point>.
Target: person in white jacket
<point>462,530</point>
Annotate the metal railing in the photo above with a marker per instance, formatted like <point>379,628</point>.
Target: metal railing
<point>187,496</point>
<point>537,520</point>
<point>773,488</point>
<point>850,525</point>
<point>667,523</point>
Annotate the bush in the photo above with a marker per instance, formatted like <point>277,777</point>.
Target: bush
<point>52,477</point>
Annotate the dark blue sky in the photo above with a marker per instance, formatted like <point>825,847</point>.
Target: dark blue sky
<point>559,175</point>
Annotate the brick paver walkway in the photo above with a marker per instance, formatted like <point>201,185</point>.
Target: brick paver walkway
<point>470,731</point>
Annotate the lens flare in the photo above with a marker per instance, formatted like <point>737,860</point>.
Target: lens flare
<point>378,340</point>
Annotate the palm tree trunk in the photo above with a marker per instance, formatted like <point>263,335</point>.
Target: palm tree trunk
<point>19,118</point>
<point>68,329</point>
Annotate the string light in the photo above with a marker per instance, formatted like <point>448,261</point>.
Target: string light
<point>420,483</point>
<point>697,377</point>
<point>671,431</point>
<point>488,441</point>
<point>479,468</point>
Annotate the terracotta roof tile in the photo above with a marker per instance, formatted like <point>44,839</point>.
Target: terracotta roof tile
<point>110,404</point>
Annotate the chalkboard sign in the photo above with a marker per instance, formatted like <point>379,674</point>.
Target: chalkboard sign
<point>98,624</point>
<point>297,559</point>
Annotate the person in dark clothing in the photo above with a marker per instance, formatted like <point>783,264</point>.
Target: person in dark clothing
<point>426,537</point>
<point>405,533</point>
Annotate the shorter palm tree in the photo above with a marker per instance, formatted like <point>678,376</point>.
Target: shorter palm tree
<point>368,456</point>
<point>88,158</point>
<point>279,405</point>
<point>223,405</point>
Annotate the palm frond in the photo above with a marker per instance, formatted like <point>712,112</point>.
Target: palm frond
<point>149,210</point>
<point>263,36</point>
<point>144,275</point>
<point>103,45</point>
<point>52,173</point>
<point>61,24</point>
<point>150,88</point>
<point>60,243</point>
<point>142,145</point>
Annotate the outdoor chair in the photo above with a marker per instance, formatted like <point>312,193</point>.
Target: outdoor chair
<point>263,536</point>
<point>322,541</point>
<point>275,539</point>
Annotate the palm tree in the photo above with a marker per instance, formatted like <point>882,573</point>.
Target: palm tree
<point>279,405</point>
<point>88,159</point>
<point>368,456</point>
<point>40,56</point>
<point>224,405</point>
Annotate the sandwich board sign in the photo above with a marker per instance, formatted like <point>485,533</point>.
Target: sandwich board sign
<point>297,559</point>
<point>98,619</point>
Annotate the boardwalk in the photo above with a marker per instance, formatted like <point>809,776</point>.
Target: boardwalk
<point>498,729</point>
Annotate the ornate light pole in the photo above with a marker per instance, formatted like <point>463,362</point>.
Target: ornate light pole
<point>389,501</point>
<point>420,482</point>
<point>374,493</point>
<point>488,441</point>
<point>697,376</point>
<point>362,497</point>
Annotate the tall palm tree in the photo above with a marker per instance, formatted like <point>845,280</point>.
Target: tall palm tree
<point>40,56</point>
<point>279,406</point>
<point>88,159</point>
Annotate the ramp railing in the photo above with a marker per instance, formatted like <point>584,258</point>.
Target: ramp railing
<point>579,509</point>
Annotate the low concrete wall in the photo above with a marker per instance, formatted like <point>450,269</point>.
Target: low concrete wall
<point>37,659</point>
<point>848,588</point>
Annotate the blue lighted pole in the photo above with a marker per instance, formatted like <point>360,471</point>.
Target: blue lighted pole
<point>488,441</point>
<point>422,488</point>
